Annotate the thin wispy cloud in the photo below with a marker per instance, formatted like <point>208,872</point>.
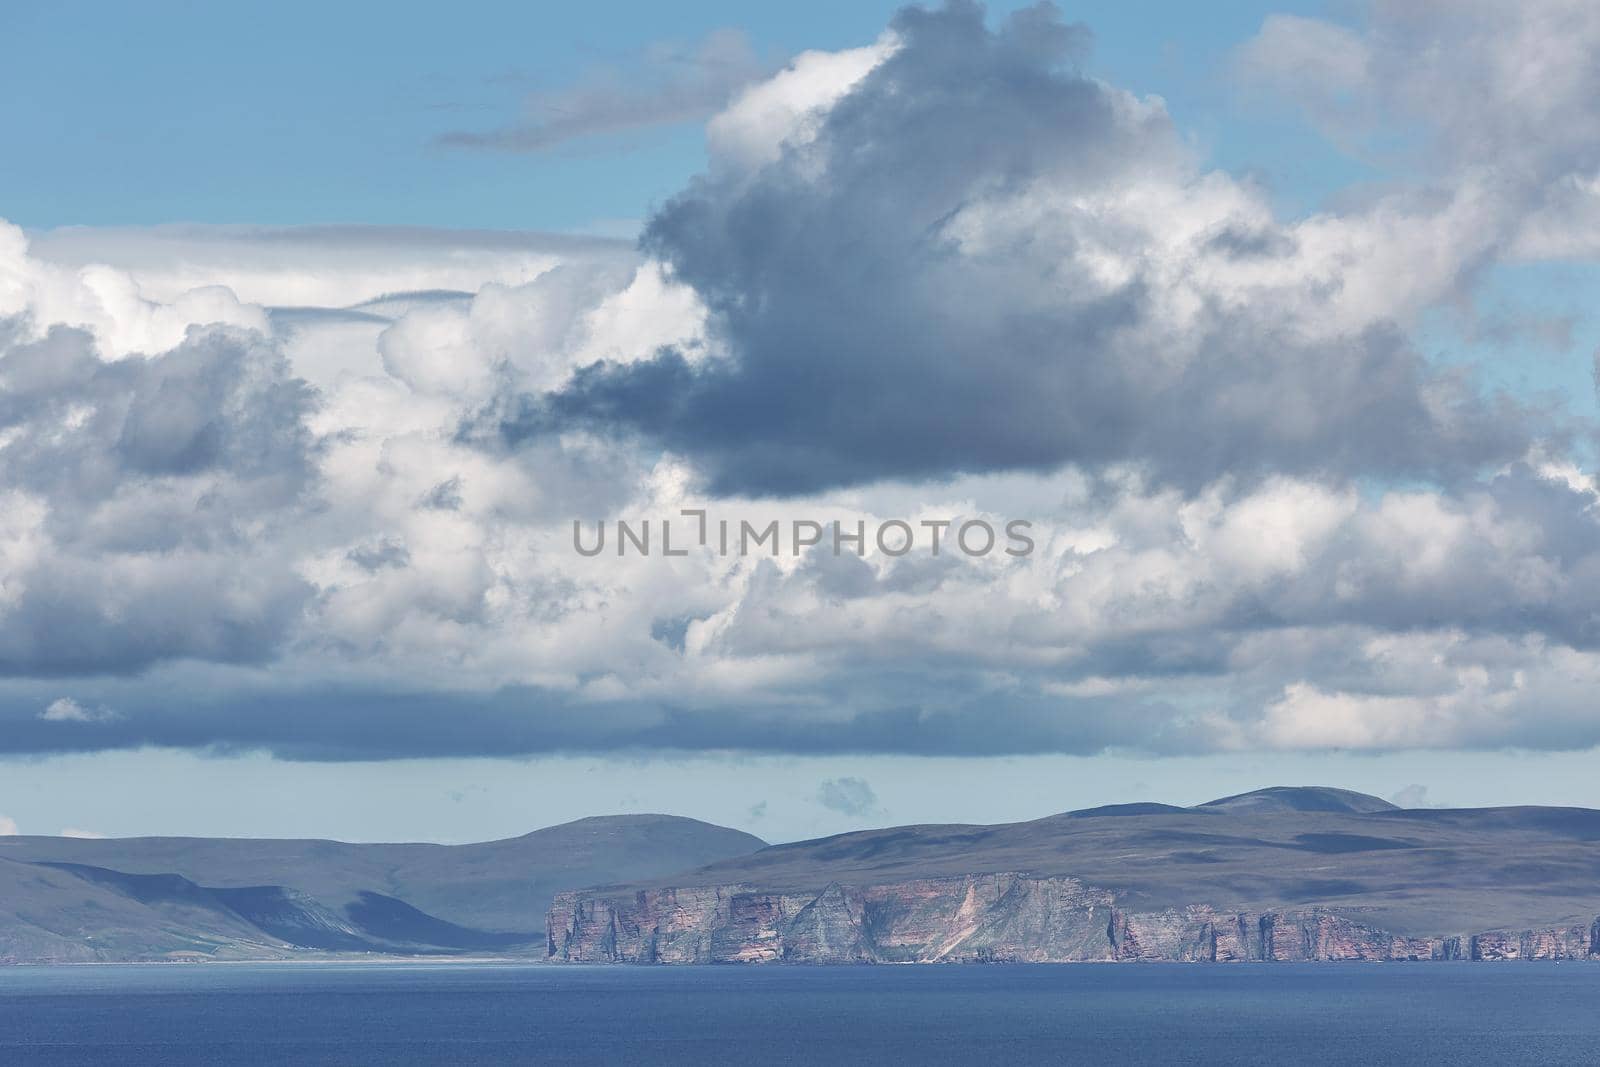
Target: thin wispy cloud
<point>668,84</point>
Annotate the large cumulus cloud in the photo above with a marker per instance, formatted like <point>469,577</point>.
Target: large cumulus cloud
<point>980,259</point>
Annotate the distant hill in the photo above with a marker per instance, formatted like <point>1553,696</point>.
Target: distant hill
<point>146,898</point>
<point>1299,798</point>
<point>1278,873</point>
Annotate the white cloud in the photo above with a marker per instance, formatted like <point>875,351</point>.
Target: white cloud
<point>784,109</point>
<point>82,835</point>
<point>65,709</point>
<point>108,302</point>
<point>1502,95</point>
<point>1308,717</point>
<point>327,267</point>
<point>8,827</point>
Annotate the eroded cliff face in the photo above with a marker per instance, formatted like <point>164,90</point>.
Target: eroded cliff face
<point>1554,943</point>
<point>988,918</point>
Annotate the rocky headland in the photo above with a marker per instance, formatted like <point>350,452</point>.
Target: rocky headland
<point>1280,875</point>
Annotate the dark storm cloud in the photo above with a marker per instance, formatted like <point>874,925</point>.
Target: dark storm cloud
<point>866,341</point>
<point>376,723</point>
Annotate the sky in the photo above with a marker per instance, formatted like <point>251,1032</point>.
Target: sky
<point>299,113</point>
<point>320,327</point>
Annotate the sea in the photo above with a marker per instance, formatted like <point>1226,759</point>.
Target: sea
<point>460,1013</point>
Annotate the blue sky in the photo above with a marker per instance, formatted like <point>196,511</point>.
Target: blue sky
<point>326,113</point>
<point>1281,330</point>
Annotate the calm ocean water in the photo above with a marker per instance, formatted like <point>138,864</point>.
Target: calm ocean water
<point>1527,1013</point>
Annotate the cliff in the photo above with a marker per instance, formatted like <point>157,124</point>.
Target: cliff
<point>992,918</point>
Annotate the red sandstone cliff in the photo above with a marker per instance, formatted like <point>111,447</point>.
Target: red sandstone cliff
<point>989,917</point>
